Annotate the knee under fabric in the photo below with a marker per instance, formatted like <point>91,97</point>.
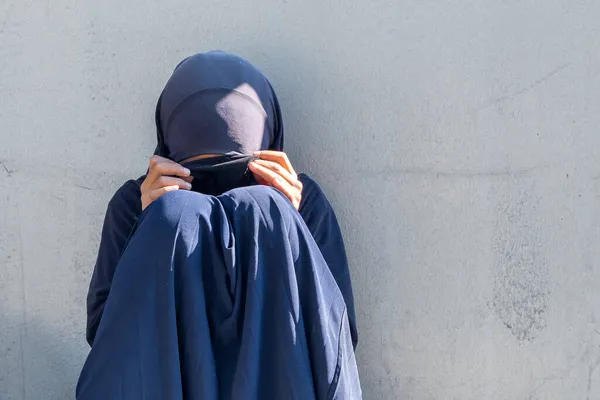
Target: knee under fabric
<point>222,297</point>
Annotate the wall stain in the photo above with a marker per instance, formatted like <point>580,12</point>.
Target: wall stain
<point>8,171</point>
<point>542,79</point>
<point>521,289</point>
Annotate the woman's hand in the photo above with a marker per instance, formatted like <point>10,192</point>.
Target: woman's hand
<point>162,177</point>
<point>274,169</point>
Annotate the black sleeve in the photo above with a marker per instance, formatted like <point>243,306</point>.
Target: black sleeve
<point>322,223</point>
<point>122,213</point>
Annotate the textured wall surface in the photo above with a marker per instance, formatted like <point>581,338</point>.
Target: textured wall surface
<point>458,140</point>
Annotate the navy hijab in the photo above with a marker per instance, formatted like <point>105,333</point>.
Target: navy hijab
<point>217,103</point>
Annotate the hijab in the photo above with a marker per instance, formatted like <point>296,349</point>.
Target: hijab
<point>217,103</point>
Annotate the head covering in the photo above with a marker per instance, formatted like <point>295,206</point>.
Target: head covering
<point>217,103</point>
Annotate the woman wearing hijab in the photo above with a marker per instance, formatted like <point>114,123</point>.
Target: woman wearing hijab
<point>221,273</point>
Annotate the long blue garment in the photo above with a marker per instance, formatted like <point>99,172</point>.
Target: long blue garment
<point>226,297</point>
<point>125,208</point>
<point>215,103</point>
<point>237,296</point>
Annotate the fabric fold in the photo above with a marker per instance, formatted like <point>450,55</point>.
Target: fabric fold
<point>183,323</point>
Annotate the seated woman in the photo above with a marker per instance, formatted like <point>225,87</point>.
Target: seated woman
<point>221,273</point>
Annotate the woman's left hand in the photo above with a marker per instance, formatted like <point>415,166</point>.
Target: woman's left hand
<point>274,169</point>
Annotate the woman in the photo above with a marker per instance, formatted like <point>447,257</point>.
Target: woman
<point>208,283</point>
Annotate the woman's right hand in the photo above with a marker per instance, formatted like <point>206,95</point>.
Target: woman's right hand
<point>163,176</point>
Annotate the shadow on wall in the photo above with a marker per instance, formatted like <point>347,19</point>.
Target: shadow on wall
<point>36,362</point>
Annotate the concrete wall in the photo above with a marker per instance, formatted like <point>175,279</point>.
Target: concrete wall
<point>458,140</point>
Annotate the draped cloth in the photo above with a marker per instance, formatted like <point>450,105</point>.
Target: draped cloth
<point>222,297</point>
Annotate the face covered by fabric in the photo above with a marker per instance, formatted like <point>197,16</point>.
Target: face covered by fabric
<point>219,104</point>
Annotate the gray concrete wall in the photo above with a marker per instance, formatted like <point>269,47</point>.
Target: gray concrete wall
<point>458,140</point>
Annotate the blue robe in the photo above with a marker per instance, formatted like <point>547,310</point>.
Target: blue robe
<point>236,296</point>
